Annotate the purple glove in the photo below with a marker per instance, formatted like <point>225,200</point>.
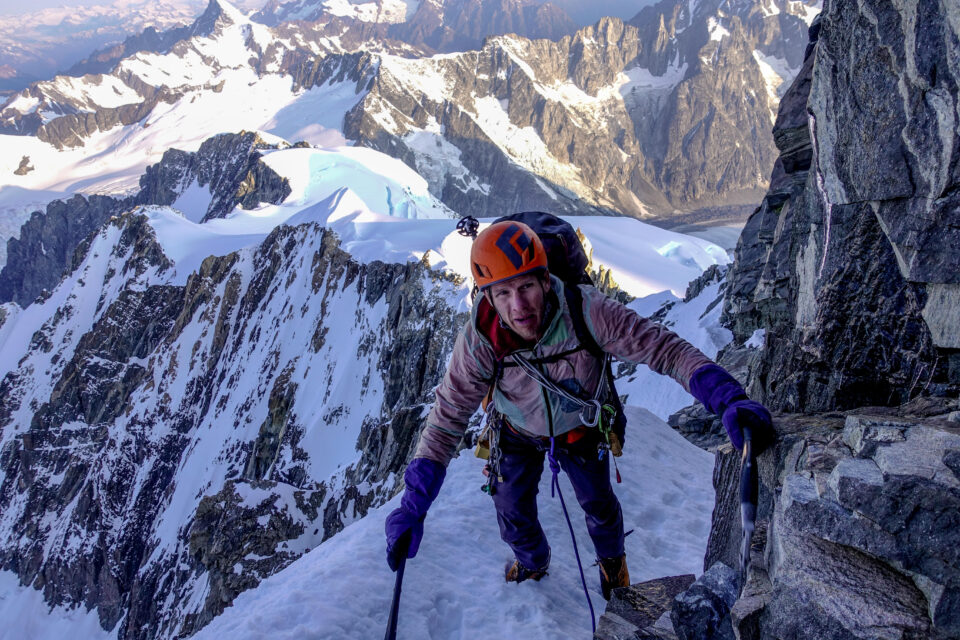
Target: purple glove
<point>748,420</point>
<point>743,418</point>
<point>405,524</point>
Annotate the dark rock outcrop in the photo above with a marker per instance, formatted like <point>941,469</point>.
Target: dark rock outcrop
<point>636,611</point>
<point>702,612</point>
<point>25,167</point>
<point>37,259</point>
<point>860,515</point>
<point>228,166</point>
<point>850,264</point>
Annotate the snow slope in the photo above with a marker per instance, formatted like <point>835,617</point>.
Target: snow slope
<point>454,588</point>
<point>26,616</point>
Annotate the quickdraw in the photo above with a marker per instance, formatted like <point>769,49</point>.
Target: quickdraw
<point>488,448</point>
<point>611,441</point>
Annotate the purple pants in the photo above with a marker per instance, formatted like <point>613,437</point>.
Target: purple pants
<point>516,497</point>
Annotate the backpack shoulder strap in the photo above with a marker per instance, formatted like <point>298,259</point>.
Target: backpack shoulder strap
<point>574,299</point>
<point>497,373</point>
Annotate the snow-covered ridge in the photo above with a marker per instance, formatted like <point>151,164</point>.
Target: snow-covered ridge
<point>379,11</point>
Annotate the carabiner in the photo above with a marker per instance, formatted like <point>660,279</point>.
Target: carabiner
<point>591,413</point>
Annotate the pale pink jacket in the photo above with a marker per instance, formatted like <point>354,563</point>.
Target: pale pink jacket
<point>619,331</point>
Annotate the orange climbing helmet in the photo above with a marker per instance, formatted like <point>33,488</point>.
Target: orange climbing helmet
<point>505,250</point>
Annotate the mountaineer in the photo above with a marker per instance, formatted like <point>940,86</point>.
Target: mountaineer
<point>536,353</point>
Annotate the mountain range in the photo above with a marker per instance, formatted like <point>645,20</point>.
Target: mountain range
<point>223,323</point>
<point>618,119</point>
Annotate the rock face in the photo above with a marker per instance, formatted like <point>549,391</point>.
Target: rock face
<point>69,130</point>
<point>226,166</point>
<point>859,519</point>
<point>702,612</point>
<point>133,383</point>
<point>624,119</point>
<point>850,265</point>
<point>641,610</point>
<point>227,169</point>
<point>37,259</point>
<point>836,305</point>
<point>707,135</point>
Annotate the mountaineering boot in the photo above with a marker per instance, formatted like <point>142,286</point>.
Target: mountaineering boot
<point>516,572</point>
<point>613,574</point>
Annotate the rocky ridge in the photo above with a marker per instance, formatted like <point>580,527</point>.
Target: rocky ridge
<point>105,414</point>
<point>839,300</point>
<point>433,27</point>
<point>149,40</point>
<point>227,167</point>
<point>678,131</point>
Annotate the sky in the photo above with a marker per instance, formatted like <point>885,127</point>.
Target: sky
<point>581,12</point>
<point>14,7</point>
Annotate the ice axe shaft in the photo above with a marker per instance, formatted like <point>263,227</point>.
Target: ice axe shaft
<point>403,544</point>
<point>749,488</point>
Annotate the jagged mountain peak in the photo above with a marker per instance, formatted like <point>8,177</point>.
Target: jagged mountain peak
<point>218,13</point>
<point>375,11</point>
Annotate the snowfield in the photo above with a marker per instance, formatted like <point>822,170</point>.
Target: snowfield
<point>454,588</point>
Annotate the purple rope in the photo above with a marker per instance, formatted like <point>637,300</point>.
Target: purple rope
<point>555,488</point>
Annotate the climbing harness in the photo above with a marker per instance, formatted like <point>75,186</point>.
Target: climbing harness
<point>488,448</point>
<point>593,413</point>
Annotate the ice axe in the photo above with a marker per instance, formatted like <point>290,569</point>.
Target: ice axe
<point>749,490</point>
<point>402,545</point>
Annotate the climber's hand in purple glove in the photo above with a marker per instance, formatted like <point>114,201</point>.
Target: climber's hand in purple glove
<point>404,525</point>
<point>743,418</point>
<point>749,420</point>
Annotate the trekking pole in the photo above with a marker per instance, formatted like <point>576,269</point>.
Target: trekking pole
<point>403,544</point>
